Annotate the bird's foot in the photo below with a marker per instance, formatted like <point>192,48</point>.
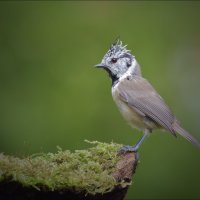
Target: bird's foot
<point>127,148</point>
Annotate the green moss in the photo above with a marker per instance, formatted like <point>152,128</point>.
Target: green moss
<point>88,171</point>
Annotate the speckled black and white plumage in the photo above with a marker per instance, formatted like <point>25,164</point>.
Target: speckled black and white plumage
<point>124,61</point>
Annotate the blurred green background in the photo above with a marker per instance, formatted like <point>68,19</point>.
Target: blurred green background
<point>50,93</point>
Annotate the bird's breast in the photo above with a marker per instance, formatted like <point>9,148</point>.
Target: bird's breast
<point>132,116</point>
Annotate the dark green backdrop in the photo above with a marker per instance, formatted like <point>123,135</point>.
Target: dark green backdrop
<point>50,93</point>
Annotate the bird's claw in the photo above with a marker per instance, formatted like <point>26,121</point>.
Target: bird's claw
<point>127,148</point>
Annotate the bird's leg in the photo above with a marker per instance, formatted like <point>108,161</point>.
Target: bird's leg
<point>137,145</point>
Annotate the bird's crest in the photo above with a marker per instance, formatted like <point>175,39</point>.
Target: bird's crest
<point>117,50</point>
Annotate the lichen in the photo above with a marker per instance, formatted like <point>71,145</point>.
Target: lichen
<point>89,171</point>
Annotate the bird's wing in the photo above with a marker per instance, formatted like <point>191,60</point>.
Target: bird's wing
<point>139,94</point>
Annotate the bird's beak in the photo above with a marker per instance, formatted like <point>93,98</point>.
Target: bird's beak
<point>100,65</point>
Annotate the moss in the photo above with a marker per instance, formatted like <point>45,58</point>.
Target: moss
<point>89,171</point>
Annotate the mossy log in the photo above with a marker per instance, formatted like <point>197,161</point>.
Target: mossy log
<point>98,173</point>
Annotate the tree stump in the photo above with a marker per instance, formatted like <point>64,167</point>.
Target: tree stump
<point>125,167</point>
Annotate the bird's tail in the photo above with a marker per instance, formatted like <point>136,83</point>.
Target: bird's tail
<point>178,129</point>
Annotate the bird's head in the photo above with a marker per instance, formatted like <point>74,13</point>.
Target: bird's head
<point>117,61</point>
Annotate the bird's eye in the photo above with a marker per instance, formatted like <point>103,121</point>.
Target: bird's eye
<point>114,60</point>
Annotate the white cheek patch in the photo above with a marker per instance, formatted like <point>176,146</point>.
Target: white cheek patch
<point>121,63</point>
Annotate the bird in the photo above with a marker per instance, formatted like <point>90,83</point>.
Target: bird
<point>137,100</point>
